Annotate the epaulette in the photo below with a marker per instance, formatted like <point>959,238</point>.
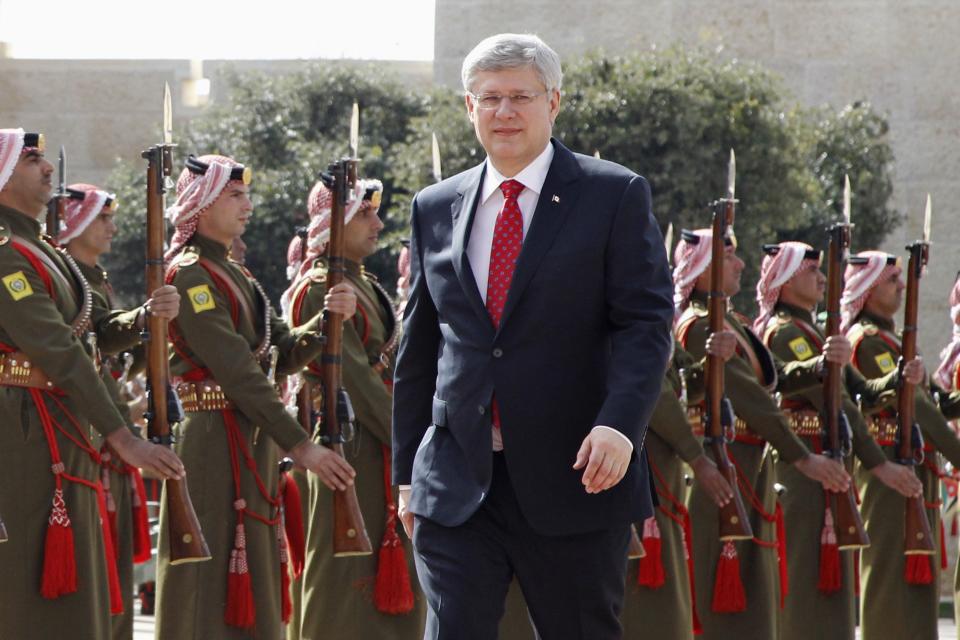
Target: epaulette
<point>317,275</point>
<point>4,235</point>
<point>784,317</point>
<point>369,275</point>
<point>188,257</point>
<point>858,331</point>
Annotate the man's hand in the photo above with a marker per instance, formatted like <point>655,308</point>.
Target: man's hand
<point>164,302</point>
<point>157,460</point>
<point>722,344</point>
<point>605,454</point>
<point>837,350</point>
<point>341,299</point>
<point>827,472</point>
<point>333,471</point>
<point>711,480</point>
<point>913,371</point>
<point>406,517</point>
<point>900,478</point>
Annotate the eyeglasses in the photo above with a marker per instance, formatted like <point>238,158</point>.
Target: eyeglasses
<point>492,100</point>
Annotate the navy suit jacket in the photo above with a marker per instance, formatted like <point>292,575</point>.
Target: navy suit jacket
<point>584,341</point>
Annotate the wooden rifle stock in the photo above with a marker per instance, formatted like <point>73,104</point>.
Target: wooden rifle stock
<point>187,543</point>
<point>734,522</point>
<point>851,534</point>
<point>918,538</point>
<point>349,532</point>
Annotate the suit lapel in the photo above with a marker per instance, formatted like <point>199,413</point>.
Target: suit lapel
<point>463,210</point>
<point>557,199</point>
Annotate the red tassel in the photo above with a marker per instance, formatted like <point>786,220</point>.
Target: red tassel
<point>830,575</point>
<point>782,554</point>
<point>943,548</point>
<point>917,569</point>
<point>293,524</point>
<point>240,611</point>
<point>953,526</point>
<point>392,592</point>
<point>111,504</point>
<point>688,555</point>
<point>728,593</point>
<point>59,561</point>
<point>141,523</point>
<point>110,555</point>
<point>286,603</point>
<point>650,573</point>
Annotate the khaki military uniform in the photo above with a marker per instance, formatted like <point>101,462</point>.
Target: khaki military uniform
<point>215,338</point>
<point>889,606</point>
<point>749,377</point>
<point>792,335</point>
<point>950,407</point>
<point>120,478</point>
<point>338,593</point>
<point>37,308</point>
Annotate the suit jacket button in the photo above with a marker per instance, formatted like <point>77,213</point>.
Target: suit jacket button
<point>498,353</point>
<point>482,410</point>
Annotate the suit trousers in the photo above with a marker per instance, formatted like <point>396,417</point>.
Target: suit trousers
<point>573,584</point>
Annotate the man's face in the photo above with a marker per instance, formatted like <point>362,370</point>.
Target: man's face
<point>98,235</point>
<point>31,183</point>
<point>886,296</point>
<point>732,268</point>
<point>512,135</point>
<point>227,217</point>
<point>806,288</point>
<point>362,234</point>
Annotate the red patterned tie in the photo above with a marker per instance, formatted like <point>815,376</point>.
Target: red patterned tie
<point>504,251</point>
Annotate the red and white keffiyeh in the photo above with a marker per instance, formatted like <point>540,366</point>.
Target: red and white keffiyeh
<point>950,356</point>
<point>860,279</point>
<point>775,271</point>
<point>11,146</point>
<point>78,214</point>
<point>691,260</point>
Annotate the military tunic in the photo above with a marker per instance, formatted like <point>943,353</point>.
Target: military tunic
<point>338,593</point>
<point>213,336</point>
<point>792,335</point>
<point>889,606</point>
<point>121,482</point>
<point>38,324</point>
<point>754,405</point>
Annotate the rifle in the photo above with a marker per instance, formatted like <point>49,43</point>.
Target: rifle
<point>917,536</point>
<point>56,208</point>
<point>851,533</point>
<point>719,418</point>
<point>187,543</point>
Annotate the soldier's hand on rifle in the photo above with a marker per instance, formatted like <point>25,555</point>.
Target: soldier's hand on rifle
<point>161,461</point>
<point>826,471</point>
<point>722,344</point>
<point>914,371</point>
<point>605,454</point>
<point>711,480</point>
<point>341,299</point>
<point>334,471</point>
<point>900,478</point>
<point>837,350</point>
<point>164,302</point>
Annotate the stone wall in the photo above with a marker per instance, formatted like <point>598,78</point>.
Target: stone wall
<point>898,54</point>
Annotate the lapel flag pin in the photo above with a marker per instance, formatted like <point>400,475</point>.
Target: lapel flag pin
<point>556,198</point>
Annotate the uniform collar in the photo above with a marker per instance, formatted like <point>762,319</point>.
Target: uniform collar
<point>209,248</point>
<point>797,312</point>
<point>886,324</point>
<point>94,275</point>
<point>532,176</point>
<point>20,223</point>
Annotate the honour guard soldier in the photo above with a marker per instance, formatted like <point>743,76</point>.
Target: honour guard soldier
<point>86,232</point>
<point>58,561</point>
<point>360,596</point>
<point>821,578</point>
<point>227,344</point>
<point>900,594</point>
<point>738,595</point>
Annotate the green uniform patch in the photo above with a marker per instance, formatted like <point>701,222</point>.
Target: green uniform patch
<point>885,362</point>
<point>801,348</point>
<point>17,285</point>
<point>201,298</point>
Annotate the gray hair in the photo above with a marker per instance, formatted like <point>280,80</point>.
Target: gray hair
<point>511,51</point>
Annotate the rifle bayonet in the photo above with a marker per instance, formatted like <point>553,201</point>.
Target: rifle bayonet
<point>668,240</point>
<point>927,215</point>
<point>846,200</point>
<point>355,131</point>
<point>437,170</point>
<point>167,115</point>
<point>732,177</point>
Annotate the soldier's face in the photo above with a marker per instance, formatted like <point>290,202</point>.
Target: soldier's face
<point>887,296</point>
<point>512,135</point>
<point>227,217</point>
<point>97,237</point>
<point>805,289</point>
<point>31,183</point>
<point>361,236</point>
<point>732,269</point>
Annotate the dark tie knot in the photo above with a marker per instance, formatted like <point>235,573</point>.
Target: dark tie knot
<point>511,189</point>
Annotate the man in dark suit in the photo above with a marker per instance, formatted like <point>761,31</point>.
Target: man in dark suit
<point>536,336</point>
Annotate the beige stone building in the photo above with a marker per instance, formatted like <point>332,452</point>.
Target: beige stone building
<point>898,54</point>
